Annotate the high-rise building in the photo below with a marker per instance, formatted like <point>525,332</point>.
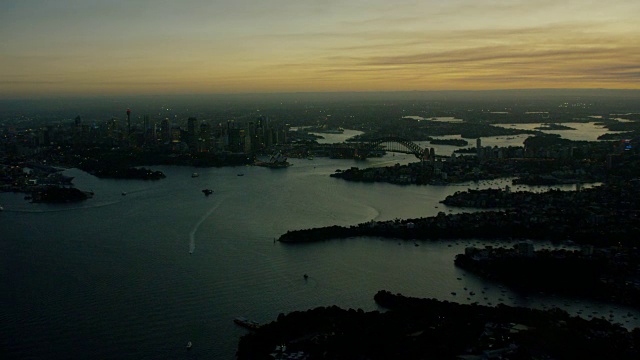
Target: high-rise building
<point>204,140</point>
<point>525,249</point>
<point>191,125</point>
<point>176,134</point>
<point>192,137</point>
<point>128,122</point>
<point>247,141</point>
<point>236,140</point>
<point>165,131</point>
<point>262,122</point>
<point>252,136</point>
<point>146,129</point>
<point>77,130</point>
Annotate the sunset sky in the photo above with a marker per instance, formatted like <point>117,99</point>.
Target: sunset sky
<point>87,47</point>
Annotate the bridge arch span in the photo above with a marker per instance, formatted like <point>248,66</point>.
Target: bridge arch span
<point>390,144</point>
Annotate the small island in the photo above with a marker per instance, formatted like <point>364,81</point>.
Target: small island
<point>55,194</point>
<point>551,126</point>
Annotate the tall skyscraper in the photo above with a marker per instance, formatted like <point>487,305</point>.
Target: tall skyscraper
<point>77,130</point>
<point>205,137</point>
<point>128,122</point>
<point>146,131</point>
<point>192,137</point>
<point>165,128</point>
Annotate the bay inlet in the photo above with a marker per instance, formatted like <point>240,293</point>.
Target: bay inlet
<point>112,277</point>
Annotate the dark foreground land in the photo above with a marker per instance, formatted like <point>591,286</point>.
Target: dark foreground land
<point>607,274</point>
<point>431,329</point>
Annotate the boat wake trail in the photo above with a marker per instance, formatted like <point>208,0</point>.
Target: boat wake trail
<point>192,234</point>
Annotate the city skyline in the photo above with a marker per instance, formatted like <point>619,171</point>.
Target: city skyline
<point>75,47</point>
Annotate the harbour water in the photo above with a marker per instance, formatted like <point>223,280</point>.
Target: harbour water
<point>579,131</point>
<point>113,277</point>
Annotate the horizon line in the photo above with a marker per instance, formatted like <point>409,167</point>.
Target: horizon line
<point>95,96</point>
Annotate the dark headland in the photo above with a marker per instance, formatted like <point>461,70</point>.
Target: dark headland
<point>431,329</point>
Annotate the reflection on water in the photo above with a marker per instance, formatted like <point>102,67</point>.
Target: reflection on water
<point>580,131</point>
<point>337,138</point>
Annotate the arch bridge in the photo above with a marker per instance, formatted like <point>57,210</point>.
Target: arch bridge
<point>392,144</point>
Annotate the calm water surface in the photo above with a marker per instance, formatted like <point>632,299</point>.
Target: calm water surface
<point>579,131</point>
<point>112,277</point>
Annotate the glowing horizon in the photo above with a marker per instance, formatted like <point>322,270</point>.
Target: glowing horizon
<point>74,47</point>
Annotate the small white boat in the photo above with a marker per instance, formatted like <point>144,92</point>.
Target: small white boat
<point>195,174</point>
<point>189,345</point>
